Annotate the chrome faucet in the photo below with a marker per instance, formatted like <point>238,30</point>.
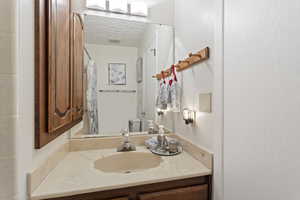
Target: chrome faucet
<point>127,145</point>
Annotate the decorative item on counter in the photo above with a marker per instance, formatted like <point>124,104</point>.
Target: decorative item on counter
<point>173,146</point>
<point>151,143</point>
<point>151,127</point>
<point>163,145</point>
<point>135,125</point>
<point>189,116</point>
<point>162,138</point>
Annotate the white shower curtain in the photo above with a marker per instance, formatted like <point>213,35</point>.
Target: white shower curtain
<point>91,98</point>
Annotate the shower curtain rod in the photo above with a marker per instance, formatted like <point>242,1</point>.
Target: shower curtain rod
<point>87,53</point>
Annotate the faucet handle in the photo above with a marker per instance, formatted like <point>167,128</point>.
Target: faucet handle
<point>125,134</point>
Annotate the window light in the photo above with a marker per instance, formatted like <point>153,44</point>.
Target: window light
<point>120,6</point>
<point>96,4</point>
<point>139,8</point>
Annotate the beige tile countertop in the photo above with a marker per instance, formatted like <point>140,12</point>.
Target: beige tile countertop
<point>76,174</point>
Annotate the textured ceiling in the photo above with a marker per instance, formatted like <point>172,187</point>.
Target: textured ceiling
<point>100,30</point>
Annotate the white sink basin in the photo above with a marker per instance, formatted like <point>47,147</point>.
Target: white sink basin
<point>128,162</point>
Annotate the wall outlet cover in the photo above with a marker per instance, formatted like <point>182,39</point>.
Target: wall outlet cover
<point>205,102</point>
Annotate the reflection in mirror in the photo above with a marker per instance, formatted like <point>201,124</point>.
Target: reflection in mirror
<point>121,57</point>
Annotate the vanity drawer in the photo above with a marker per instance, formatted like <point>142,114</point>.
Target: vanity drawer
<point>197,188</point>
<point>188,193</point>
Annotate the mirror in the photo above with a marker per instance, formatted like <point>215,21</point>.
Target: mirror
<point>122,55</point>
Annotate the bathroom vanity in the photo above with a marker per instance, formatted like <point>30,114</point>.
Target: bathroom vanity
<point>197,188</point>
<point>127,51</point>
<point>92,169</point>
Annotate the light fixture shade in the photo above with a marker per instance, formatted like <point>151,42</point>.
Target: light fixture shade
<point>139,8</point>
<point>185,114</point>
<point>189,116</point>
<point>120,6</point>
<point>96,4</point>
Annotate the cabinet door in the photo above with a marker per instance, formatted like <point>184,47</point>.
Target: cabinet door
<point>78,66</point>
<point>188,193</point>
<point>59,69</point>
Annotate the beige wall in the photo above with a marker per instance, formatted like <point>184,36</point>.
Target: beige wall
<point>27,156</point>
<point>8,108</point>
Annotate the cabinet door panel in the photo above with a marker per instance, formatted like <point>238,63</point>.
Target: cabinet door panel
<point>121,198</point>
<point>188,193</point>
<point>78,66</point>
<point>60,90</point>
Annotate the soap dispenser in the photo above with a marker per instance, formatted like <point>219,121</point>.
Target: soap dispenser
<point>161,138</point>
<point>150,127</point>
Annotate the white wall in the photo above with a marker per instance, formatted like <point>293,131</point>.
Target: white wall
<point>8,108</point>
<point>162,12</point>
<point>78,4</point>
<point>115,109</point>
<point>160,37</point>
<point>199,23</point>
<point>194,30</point>
<point>262,100</point>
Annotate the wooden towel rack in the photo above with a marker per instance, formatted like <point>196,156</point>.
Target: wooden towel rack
<point>185,64</point>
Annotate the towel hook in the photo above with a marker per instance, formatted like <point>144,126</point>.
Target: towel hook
<point>196,55</point>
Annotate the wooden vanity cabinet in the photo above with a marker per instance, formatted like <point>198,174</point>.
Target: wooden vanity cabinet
<point>78,42</point>
<point>199,192</point>
<point>59,66</point>
<point>59,44</point>
<point>198,188</point>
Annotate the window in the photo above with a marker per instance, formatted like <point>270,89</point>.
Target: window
<point>120,6</point>
<point>139,8</point>
<point>96,4</point>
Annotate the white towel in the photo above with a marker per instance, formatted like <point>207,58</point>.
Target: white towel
<point>174,92</point>
<point>163,95</point>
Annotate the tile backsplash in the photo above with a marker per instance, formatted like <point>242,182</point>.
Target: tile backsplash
<point>7,16</point>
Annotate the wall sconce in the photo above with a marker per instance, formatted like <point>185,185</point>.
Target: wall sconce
<point>161,112</point>
<point>139,9</point>
<point>119,6</point>
<point>96,4</point>
<point>189,116</point>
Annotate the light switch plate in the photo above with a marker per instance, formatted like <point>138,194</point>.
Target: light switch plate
<point>205,102</point>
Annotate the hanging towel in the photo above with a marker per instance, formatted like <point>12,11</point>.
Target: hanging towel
<point>174,92</point>
<point>163,94</point>
<point>91,98</point>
